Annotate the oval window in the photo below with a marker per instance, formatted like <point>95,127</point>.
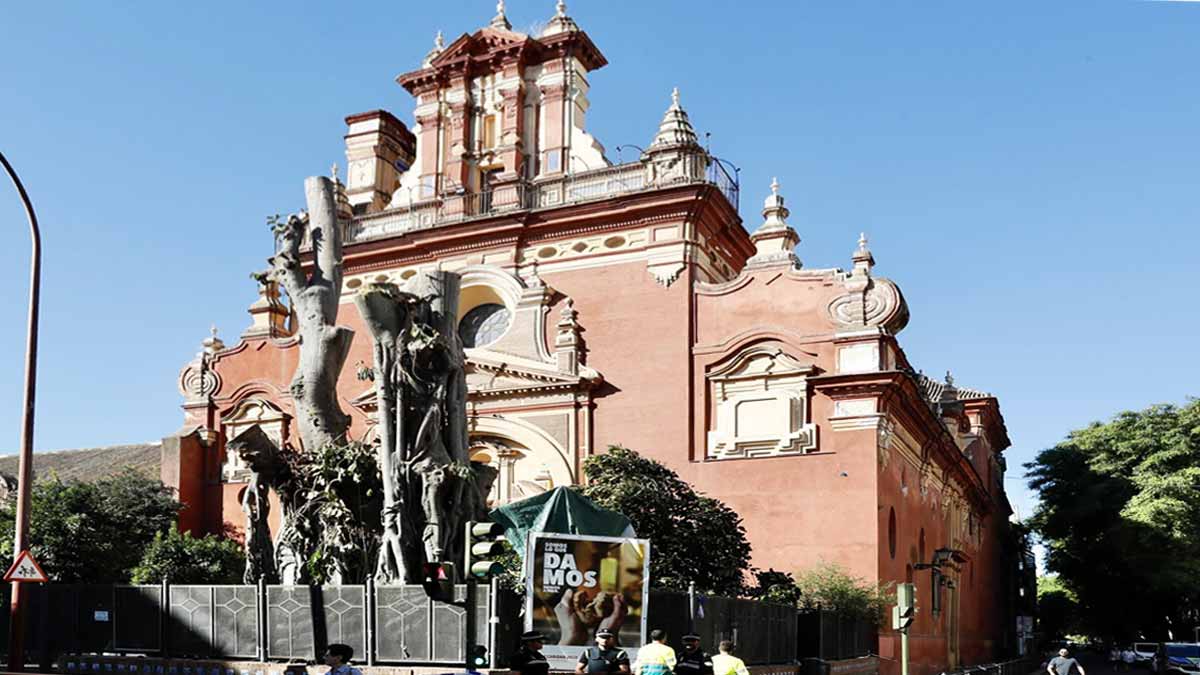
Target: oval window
<point>484,324</point>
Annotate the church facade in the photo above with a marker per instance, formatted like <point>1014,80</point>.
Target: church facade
<point>626,304</point>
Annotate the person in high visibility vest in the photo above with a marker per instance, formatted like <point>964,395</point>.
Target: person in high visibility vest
<point>726,663</point>
<point>655,658</point>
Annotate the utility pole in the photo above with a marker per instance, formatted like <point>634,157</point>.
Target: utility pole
<point>16,626</point>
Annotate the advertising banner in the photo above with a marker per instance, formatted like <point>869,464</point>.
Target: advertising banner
<point>578,584</point>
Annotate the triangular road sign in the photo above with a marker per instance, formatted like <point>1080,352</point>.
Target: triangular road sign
<point>25,568</point>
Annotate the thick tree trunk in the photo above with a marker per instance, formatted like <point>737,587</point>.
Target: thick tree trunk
<point>387,315</point>
<point>429,490</point>
<point>323,344</point>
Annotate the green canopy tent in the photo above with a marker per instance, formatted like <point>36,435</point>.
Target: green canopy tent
<point>562,511</point>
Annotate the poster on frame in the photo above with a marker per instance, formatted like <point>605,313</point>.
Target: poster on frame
<point>578,584</point>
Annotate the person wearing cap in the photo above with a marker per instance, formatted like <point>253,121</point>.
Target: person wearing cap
<point>529,660</point>
<point>605,657</point>
<point>656,658</point>
<point>726,663</point>
<point>693,660</point>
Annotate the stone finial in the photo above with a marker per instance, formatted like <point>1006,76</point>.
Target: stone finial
<point>567,343</point>
<point>439,46</point>
<point>500,20</point>
<point>863,260</point>
<point>333,171</point>
<point>774,239</point>
<point>949,379</point>
<point>774,211</point>
<point>675,129</point>
<point>560,22</point>
<point>212,344</point>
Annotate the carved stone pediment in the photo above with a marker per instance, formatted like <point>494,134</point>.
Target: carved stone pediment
<point>493,374</point>
<point>761,399</point>
<point>482,46</point>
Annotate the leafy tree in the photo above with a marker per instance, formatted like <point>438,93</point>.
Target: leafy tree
<point>184,559</point>
<point>1119,513</point>
<point>830,587</point>
<point>775,586</point>
<point>1057,609</point>
<point>340,511</point>
<point>93,532</point>
<point>695,538</point>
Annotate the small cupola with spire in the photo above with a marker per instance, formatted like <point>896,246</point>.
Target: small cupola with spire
<point>774,241</point>
<point>560,22</point>
<point>675,154</point>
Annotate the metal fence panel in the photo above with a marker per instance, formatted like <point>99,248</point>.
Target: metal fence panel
<point>235,619</point>
<point>190,625</point>
<point>137,618</point>
<point>301,620</point>
<point>401,624</point>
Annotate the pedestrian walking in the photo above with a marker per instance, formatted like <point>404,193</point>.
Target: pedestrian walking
<point>337,657</point>
<point>1128,658</point>
<point>726,663</point>
<point>605,657</point>
<point>1063,664</point>
<point>693,660</point>
<point>529,659</point>
<point>656,658</point>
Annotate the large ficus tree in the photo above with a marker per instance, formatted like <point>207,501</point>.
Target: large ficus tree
<point>696,539</point>
<point>348,512</point>
<point>1119,516</point>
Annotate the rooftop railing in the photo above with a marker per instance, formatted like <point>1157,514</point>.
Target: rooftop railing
<point>542,193</point>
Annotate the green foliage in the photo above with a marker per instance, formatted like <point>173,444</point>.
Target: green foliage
<point>341,510</point>
<point>775,586</point>
<point>184,559</point>
<point>695,538</point>
<point>830,587</point>
<point>92,532</point>
<point>826,586</point>
<point>1119,513</point>
<point>1057,609</point>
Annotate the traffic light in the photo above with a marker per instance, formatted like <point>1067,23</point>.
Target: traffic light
<point>438,581</point>
<point>906,607</point>
<point>477,658</point>
<point>485,541</point>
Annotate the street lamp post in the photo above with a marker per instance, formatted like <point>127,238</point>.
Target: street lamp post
<point>16,626</point>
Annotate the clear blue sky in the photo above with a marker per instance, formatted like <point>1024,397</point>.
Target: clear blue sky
<point>1029,172</point>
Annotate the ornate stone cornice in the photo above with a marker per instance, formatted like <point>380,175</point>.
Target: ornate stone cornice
<point>900,397</point>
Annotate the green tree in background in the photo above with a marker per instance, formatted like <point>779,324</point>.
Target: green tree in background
<point>92,532</point>
<point>1057,609</point>
<point>695,538</point>
<point>1119,515</point>
<point>184,559</point>
<point>827,586</point>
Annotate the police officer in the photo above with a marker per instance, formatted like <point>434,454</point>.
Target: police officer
<point>529,660</point>
<point>604,658</point>
<point>693,660</point>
